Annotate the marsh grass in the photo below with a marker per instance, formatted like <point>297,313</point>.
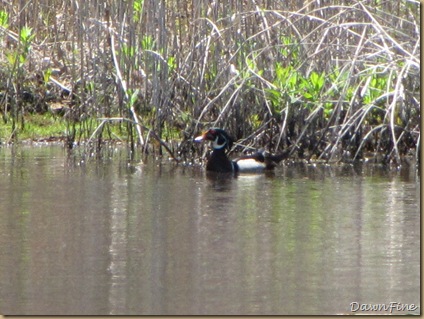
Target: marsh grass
<point>329,80</point>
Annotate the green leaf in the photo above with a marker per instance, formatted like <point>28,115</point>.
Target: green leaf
<point>46,75</point>
<point>22,59</point>
<point>128,50</point>
<point>317,80</point>
<point>293,79</point>
<point>282,73</point>
<point>134,97</point>
<point>26,35</point>
<point>147,43</point>
<point>138,9</point>
<point>307,95</point>
<point>4,19</point>
<point>172,64</point>
<point>11,58</point>
<point>251,63</point>
<point>274,95</point>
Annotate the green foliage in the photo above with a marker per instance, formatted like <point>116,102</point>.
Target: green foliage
<point>133,96</point>
<point>26,36</point>
<point>4,19</point>
<point>128,51</point>
<point>283,62</point>
<point>292,86</point>
<point>310,88</point>
<point>36,126</point>
<point>170,132</point>
<point>46,75</point>
<point>147,43</point>
<point>138,10</point>
<point>255,121</point>
<point>17,58</point>
<point>90,87</point>
<point>290,50</point>
<point>211,73</point>
<point>375,87</point>
<point>172,64</point>
<point>316,82</point>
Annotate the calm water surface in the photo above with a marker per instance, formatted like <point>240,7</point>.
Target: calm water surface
<point>104,237</point>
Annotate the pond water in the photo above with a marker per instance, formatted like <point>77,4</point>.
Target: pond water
<point>101,237</point>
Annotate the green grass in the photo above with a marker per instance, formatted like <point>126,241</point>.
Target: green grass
<point>321,82</point>
<point>36,126</point>
<point>48,126</point>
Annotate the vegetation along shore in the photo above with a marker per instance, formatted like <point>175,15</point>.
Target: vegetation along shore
<point>334,80</point>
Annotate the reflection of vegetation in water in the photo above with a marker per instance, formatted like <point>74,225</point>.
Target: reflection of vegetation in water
<point>310,219</point>
<point>330,82</point>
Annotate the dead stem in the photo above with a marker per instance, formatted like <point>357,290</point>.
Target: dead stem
<point>327,81</point>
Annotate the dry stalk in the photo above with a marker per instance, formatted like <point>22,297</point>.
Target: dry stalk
<point>125,90</point>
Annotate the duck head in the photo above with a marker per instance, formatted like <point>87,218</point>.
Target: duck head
<point>219,138</point>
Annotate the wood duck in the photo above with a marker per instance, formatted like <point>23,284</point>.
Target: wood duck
<point>219,162</point>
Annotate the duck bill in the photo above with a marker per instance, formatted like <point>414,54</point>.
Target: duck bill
<point>200,138</point>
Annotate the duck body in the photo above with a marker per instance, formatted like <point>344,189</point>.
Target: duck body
<point>220,163</point>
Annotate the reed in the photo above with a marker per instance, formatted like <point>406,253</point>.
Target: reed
<point>331,80</point>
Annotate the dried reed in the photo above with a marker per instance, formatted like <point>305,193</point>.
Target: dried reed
<point>332,80</point>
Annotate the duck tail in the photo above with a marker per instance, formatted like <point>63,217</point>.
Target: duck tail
<point>277,158</point>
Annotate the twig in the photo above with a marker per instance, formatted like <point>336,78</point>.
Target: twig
<point>124,88</point>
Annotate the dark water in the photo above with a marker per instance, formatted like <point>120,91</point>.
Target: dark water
<point>102,237</point>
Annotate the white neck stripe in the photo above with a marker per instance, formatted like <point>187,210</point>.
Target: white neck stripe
<point>217,146</point>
